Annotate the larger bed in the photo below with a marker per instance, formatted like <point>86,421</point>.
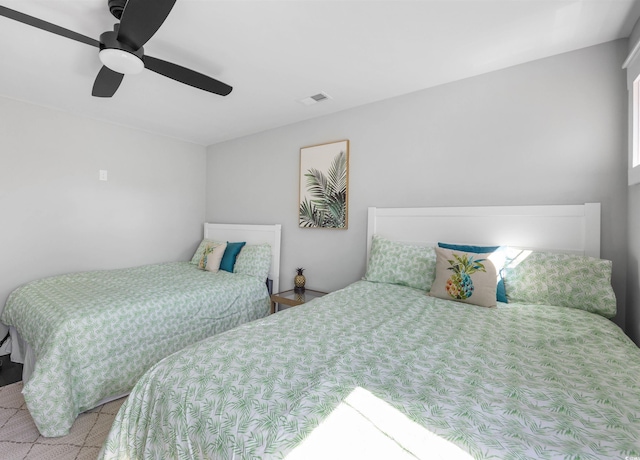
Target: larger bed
<point>86,338</point>
<point>380,369</point>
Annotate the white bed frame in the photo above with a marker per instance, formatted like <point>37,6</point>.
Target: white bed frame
<point>559,228</point>
<point>252,234</point>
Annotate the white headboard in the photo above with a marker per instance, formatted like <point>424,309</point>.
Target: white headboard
<point>562,228</point>
<point>252,234</point>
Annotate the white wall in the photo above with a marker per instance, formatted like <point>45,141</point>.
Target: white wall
<point>551,131</point>
<point>57,217</point>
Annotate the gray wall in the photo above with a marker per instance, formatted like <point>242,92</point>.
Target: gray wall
<point>633,277</point>
<point>57,217</point>
<point>633,288</point>
<point>551,131</point>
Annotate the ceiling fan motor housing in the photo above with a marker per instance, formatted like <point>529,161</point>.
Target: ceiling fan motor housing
<point>109,39</point>
<point>116,7</point>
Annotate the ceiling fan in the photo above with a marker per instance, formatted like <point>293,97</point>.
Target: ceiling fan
<point>121,50</point>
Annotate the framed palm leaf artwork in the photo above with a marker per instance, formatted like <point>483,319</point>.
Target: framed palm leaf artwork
<point>324,185</point>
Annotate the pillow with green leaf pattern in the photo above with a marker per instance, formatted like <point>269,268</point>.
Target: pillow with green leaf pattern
<point>399,263</point>
<point>564,280</point>
<point>254,260</point>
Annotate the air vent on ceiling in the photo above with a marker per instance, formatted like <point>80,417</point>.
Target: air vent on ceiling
<point>321,96</point>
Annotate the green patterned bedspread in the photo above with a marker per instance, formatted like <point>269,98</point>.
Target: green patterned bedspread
<point>95,333</point>
<point>383,371</point>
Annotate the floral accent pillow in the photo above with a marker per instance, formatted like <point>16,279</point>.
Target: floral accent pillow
<point>197,256</point>
<point>213,258</point>
<point>563,280</point>
<point>498,257</point>
<point>254,260</point>
<point>210,249</point>
<point>401,263</point>
<point>466,277</point>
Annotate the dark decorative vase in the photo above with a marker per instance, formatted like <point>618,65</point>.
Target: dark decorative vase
<point>299,280</point>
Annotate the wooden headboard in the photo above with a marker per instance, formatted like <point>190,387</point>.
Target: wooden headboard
<point>560,228</point>
<point>252,234</point>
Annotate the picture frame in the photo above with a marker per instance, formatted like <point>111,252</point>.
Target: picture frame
<point>323,200</point>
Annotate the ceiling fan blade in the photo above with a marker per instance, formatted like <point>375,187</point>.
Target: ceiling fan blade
<point>107,82</point>
<point>186,76</point>
<point>141,19</point>
<point>47,26</point>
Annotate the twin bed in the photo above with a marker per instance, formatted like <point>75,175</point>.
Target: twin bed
<point>381,369</point>
<point>86,338</point>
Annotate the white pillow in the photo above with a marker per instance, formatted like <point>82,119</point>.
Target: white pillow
<point>215,257</point>
<point>197,256</point>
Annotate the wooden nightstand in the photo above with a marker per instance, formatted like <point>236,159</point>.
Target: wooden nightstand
<point>293,298</point>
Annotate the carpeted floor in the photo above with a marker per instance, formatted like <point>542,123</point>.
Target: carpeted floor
<point>19,437</point>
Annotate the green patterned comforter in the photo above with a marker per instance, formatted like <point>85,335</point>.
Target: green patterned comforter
<point>384,371</point>
<point>95,333</point>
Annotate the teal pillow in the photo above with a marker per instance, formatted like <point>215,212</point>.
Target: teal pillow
<point>501,291</point>
<point>230,255</point>
<point>469,248</point>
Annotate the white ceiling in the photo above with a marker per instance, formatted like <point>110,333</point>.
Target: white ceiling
<point>275,53</point>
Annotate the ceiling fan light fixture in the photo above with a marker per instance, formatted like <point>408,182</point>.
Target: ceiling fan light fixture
<point>122,49</point>
<point>121,61</point>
